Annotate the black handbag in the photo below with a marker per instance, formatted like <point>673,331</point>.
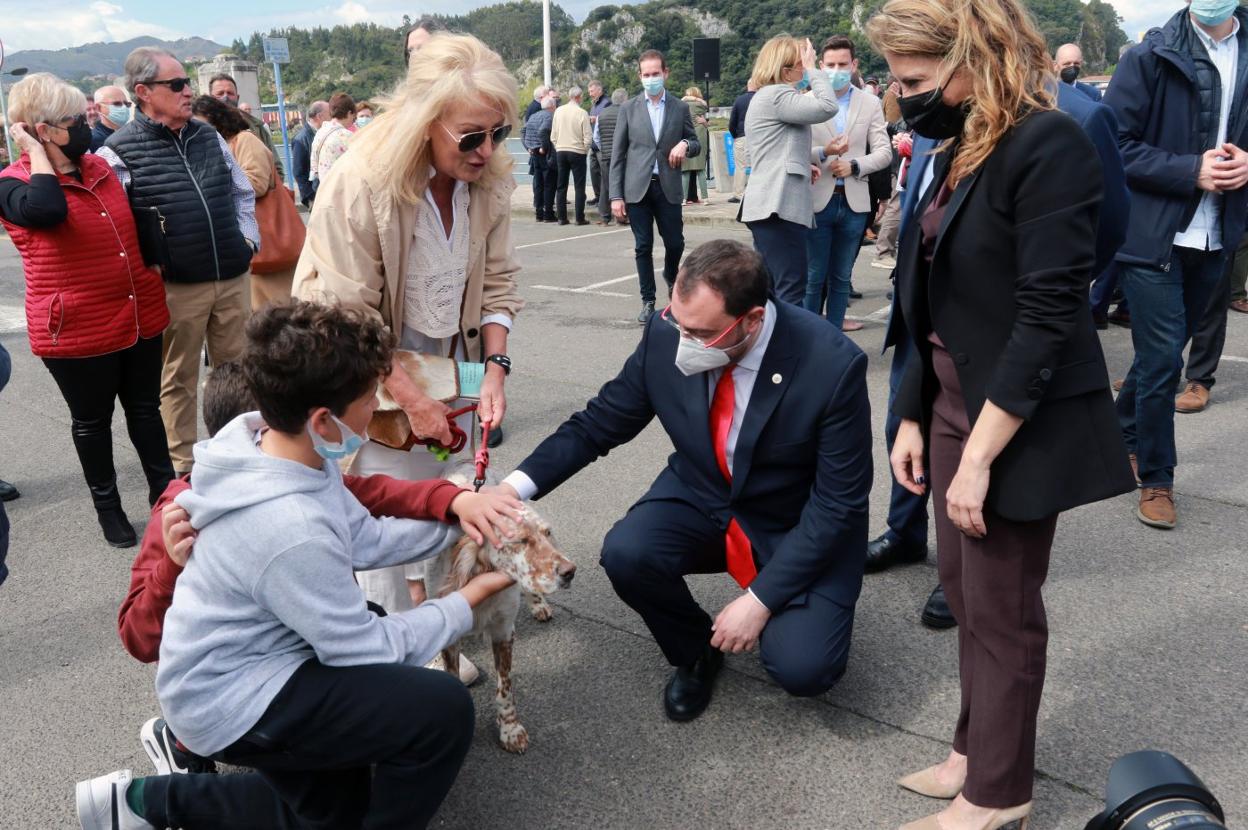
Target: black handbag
<point>149,222</point>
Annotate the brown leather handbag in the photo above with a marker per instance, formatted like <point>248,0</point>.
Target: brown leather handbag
<point>281,230</point>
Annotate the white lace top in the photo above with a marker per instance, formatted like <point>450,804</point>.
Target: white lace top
<point>437,271</point>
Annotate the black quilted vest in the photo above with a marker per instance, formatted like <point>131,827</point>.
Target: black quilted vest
<point>1208,86</point>
<point>186,178</point>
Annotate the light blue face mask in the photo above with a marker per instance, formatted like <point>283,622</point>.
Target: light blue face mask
<point>839,78</point>
<point>1213,12</point>
<point>804,83</point>
<point>653,85</point>
<point>118,114</point>
<point>335,450</point>
<point>363,120</point>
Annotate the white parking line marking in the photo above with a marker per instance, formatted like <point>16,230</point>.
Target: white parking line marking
<point>592,286</point>
<point>12,319</point>
<point>564,289</point>
<point>1233,359</point>
<point>878,314</point>
<point>570,238</point>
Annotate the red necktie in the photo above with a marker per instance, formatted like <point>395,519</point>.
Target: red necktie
<point>736,545</point>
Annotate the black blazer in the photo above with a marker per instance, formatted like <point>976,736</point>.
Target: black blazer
<point>1007,293</point>
<point>802,465</point>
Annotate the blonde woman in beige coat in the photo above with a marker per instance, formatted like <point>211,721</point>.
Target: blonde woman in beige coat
<point>413,225</point>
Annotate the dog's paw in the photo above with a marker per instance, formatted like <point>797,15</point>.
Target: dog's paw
<point>540,608</point>
<point>513,737</point>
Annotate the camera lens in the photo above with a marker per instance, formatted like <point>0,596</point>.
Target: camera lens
<point>1152,790</point>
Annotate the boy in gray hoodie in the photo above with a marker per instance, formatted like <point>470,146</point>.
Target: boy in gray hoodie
<point>270,658</point>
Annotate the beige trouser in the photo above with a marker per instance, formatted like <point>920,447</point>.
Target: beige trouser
<point>270,288</point>
<point>214,311</point>
<point>890,222</point>
<point>740,160</point>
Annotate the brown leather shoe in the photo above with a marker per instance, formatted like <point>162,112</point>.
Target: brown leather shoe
<point>1157,507</point>
<point>1239,305</point>
<point>1195,398</point>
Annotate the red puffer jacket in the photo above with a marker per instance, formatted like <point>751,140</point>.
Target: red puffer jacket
<point>88,292</point>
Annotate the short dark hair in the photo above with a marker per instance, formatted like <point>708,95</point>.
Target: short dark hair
<point>225,119</point>
<point>303,355</point>
<point>732,270</point>
<point>650,54</point>
<point>429,24</point>
<point>341,105</point>
<point>221,76</point>
<point>226,396</point>
<point>838,42</point>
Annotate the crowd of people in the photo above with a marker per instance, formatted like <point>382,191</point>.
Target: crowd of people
<point>301,626</point>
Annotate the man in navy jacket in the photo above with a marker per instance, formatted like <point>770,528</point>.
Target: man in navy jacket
<point>905,540</point>
<point>766,406</point>
<point>1181,97</point>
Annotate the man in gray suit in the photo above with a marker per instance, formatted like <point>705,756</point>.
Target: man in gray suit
<point>653,135</point>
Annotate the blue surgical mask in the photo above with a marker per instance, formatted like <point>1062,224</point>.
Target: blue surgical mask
<point>839,78</point>
<point>363,120</point>
<point>1213,12</point>
<point>804,83</point>
<point>335,450</point>
<point>653,85</point>
<point>118,114</point>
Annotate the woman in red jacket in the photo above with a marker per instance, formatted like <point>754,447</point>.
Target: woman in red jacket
<point>94,312</point>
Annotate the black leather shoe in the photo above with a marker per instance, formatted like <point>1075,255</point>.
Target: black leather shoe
<point>688,693</point>
<point>936,613</point>
<point>886,551</point>
<point>8,492</point>
<point>854,294</point>
<point>564,222</point>
<point>582,221</point>
<point>118,531</point>
<point>496,437</point>
<point>647,309</point>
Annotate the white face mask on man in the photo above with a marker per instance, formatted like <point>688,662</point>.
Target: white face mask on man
<point>693,356</point>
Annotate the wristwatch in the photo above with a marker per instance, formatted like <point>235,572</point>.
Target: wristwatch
<point>502,360</point>
<point>853,166</point>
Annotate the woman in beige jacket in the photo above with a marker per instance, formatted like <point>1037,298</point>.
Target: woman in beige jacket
<point>413,225</point>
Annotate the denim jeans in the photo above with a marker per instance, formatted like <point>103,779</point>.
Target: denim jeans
<point>1166,306</point>
<point>1102,293</point>
<point>831,249</point>
<point>655,208</point>
<point>907,513</point>
<point>782,245</point>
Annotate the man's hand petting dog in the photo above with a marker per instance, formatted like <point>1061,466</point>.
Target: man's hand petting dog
<point>175,527</point>
<point>502,489</point>
<point>739,625</point>
<point>487,516</point>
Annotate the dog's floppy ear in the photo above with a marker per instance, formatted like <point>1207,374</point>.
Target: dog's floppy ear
<point>467,560</point>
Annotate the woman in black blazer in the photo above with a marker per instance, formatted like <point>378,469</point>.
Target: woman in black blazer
<point>1005,401</point>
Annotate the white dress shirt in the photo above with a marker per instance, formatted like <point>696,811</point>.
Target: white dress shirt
<point>1204,232</point>
<point>656,112</point>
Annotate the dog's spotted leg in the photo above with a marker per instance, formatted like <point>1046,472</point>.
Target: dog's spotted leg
<point>511,734</point>
<point>450,660</point>
<point>540,608</point>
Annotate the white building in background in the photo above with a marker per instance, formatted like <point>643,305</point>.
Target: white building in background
<point>244,72</point>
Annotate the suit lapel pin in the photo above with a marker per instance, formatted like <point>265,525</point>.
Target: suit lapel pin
<point>776,378</point>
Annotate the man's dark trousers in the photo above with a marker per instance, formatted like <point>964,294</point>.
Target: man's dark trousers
<point>804,647</point>
<point>907,513</point>
<point>539,168</point>
<point>595,172</point>
<point>1210,334</point>
<point>312,750</point>
<point>654,207</point>
<point>571,165</point>
<point>1166,306</point>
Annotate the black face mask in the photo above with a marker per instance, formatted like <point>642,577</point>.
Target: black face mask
<point>1069,74</point>
<point>928,115</point>
<point>79,139</point>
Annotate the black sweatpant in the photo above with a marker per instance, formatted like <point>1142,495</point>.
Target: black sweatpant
<point>89,386</point>
<point>311,752</point>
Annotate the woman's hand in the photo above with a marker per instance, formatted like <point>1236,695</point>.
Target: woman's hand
<point>26,140</point>
<point>428,418</point>
<point>487,516</point>
<point>808,55</point>
<point>907,457</point>
<point>493,404</point>
<point>965,500</point>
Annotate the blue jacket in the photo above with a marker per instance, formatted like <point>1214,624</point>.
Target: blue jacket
<point>1088,90</point>
<point>1154,94</point>
<point>301,160</point>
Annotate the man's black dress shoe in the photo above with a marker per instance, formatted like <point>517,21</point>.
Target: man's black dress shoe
<point>8,492</point>
<point>936,613</point>
<point>496,437</point>
<point>688,693</point>
<point>886,551</point>
<point>647,309</point>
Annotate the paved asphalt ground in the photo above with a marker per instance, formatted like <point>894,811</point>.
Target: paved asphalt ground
<point>1149,643</point>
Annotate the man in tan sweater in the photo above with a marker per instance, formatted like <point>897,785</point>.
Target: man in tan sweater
<point>571,135</point>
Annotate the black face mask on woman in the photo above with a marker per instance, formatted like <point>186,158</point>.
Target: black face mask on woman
<point>79,139</point>
<point>928,115</point>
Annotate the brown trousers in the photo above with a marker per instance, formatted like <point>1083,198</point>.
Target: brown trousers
<point>993,587</point>
<point>270,288</point>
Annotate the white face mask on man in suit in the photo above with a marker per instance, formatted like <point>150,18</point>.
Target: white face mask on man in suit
<point>694,357</point>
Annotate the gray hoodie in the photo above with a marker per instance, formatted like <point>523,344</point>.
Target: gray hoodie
<point>270,585</point>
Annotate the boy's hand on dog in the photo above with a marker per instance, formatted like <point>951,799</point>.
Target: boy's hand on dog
<point>739,625</point>
<point>487,516</point>
<point>483,586</point>
<point>179,536</point>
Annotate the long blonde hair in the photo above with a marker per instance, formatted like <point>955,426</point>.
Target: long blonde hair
<point>448,69</point>
<point>995,42</point>
<point>779,52</point>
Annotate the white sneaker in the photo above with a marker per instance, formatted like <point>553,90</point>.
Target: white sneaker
<point>102,803</point>
<point>885,261</point>
<point>468,672</point>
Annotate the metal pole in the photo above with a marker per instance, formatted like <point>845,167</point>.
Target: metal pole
<point>281,115</point>
<point>4,110</point>
<point>546,40</point>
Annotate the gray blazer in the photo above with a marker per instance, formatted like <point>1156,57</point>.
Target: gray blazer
<point>777,128</point>
<point>635,150</point>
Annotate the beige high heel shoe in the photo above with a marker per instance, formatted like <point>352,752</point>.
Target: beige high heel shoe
<point>997,820</point>
<point>924,782</point>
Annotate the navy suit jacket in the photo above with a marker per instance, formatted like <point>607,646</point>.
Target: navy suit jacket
<point>1090,91</point>
<point>802,464</point>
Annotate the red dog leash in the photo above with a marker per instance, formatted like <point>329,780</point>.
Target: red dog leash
<point>459,440</point>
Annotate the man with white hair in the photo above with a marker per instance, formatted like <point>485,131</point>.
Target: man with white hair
<point>536,104</point>
<point>572,135</point>
<point>301,151</point>
<point>1068,63</point>
<point>536,139</point>
<point>114,109</point>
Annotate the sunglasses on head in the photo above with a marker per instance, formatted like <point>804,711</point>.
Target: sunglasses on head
<point>174,84</point>
<point>471,141</point>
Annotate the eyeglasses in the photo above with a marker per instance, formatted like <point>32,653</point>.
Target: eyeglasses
<point>471,141</point>
<point>174,84</point>
<point>666,317</point>
<point>74,121</point>
<point>126,104</point>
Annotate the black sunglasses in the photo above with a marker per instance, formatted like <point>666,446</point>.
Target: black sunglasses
<point>174,84</point>
<point>471,141</point>
<point>74,121</point>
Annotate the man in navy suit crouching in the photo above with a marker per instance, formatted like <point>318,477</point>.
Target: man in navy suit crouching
<point>766,406</point>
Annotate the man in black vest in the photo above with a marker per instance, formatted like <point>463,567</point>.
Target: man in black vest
<point>187,190</point>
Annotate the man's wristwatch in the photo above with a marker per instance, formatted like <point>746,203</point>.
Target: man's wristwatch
<point>502,360</point>
<point>853,166</point>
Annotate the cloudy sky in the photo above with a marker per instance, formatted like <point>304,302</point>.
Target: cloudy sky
<point>56,24</point>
